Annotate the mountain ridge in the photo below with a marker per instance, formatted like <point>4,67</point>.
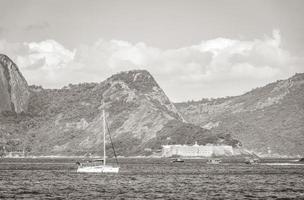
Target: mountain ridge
<point>68,121</point>
<point>266,120</point>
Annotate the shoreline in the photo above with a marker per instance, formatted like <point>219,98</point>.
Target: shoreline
<point>146,157</point>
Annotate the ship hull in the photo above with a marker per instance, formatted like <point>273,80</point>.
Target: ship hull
<point>98,169</point>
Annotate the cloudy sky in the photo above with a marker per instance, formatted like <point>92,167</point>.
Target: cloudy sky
<point>194,49</point>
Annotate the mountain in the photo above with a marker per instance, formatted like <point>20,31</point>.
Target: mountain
<point>68,121</point>
<point>135,105</point>
<point>13,87</point>
<point>267,120</point>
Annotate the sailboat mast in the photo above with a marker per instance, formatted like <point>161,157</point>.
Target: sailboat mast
<point>104,137</point>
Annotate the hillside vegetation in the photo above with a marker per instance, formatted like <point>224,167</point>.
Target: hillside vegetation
<point>268,120</point>
<point>68,121</point>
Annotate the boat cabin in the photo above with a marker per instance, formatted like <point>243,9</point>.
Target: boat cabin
<point>90,163</point>
<point>214,161</point>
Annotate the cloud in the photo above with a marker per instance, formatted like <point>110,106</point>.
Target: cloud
<point>54,54</point>
<point>212,68</point>
<point>41,63</point>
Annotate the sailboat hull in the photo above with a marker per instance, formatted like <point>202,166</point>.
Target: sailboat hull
<point>95,167</point>
<point>98,169</point>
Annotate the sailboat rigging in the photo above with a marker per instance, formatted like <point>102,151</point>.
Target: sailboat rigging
<point>112,144</point>
<point>96,166</point>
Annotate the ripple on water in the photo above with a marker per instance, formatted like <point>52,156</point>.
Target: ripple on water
<point>146,180</point>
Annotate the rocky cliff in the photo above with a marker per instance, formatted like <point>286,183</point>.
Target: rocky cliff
<point>137,110</point>
<point>13,87</point>
<point>135,106</point>
<point>268,120</point>
<point>68,121</point>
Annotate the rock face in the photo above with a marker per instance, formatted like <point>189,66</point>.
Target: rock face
<point>138,112</point>
<point>13,87</point>
<point>68,121</point>
<point>136,109</point>
<point>267,120</point>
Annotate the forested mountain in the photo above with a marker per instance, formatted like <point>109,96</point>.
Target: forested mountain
<point>268,120</point>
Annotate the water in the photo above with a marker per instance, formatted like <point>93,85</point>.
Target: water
<point>149,179</point>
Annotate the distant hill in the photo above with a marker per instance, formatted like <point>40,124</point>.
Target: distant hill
<point>68,121</point>
<point>268,120</point>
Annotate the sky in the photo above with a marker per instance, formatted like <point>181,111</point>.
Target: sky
<point>194,48</point>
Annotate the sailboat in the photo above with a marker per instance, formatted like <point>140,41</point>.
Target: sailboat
<point>99,165</point>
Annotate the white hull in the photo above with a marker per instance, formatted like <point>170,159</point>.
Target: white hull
<point>98,169</point>
<point>95,167</point>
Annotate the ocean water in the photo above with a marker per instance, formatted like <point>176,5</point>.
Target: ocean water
<point>150,179</point>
